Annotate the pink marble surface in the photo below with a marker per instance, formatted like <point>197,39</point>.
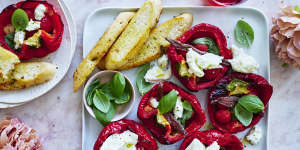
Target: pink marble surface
<point>57,115</point>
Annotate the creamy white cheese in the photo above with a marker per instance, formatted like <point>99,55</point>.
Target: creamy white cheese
<point>254,135</point>
<point>242,62</point>
<point>213,146</point>
<point>39,11</point>
<point>33,25</point>
<point>178,109</point>
<point>197,63</point>
<point>196,145</point>
<point>124,141</point>
<point>163,61</point>
<point>154,103</point>
<point>156,74</point>
<point>19,39</point>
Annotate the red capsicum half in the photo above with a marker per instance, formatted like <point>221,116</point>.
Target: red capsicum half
<point>178,57</point>
<point>167,134</point>
<point>145,140</point>
<point>257,86</point>
<point>226,141</point>
<point>52,29</point>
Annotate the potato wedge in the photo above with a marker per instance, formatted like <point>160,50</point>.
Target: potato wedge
<point>99,50</point>
<point>173,29</point>
<point>134,36</point>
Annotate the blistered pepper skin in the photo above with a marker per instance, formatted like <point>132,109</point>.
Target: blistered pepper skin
<point>163,134</point>
<point>226,140</point>
<point>198,31</point>
<point>51,25</point>
<point>145,140</point>
<point>259,87</point>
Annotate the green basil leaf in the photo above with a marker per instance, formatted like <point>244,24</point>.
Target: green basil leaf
<point>167,102</point>
<point>19,19</point>
<point>187,105</point>
<point>107,89</point>
<point>212,45</point>
<point>104,118</point>
<point>125,97</point>
<point>118,84</point>
<point>90,91</point>
<point>185,116</point>
<point>244,33</point>
<point>101,101</point>
<point>141,83</point>
<point>9,39</point>
<point>242,114</point>
<point>252,103</point>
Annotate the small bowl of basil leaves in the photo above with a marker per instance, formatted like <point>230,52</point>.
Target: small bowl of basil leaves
<point>108,96</point>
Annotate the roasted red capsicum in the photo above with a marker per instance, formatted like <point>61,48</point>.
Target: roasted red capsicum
<point>256,85</point>
<point>226,141</point>
<point>168,134</point>
<point>51,27</point>
<point>178,57</point>
<point>145,140</point>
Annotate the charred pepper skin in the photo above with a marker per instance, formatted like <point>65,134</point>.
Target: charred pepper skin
<point>198,31</point>
<point>51,25</point>
<point>145,140</point>
<point>226,140</point>
<point>164,134</point>
<point>258,86</point>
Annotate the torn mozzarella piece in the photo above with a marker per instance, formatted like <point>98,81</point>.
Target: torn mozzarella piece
<point>124,141</point>
<point>242,62</point>
<point>213,146</point>
<point>33,25</point>
<point>196,145</point>
<point>19,39</point>
<point>156,74</point>
<point>178,109</point>
<point>163,61</point>
<point>154,103</point>
<point>254,135</point>
<point>39,11</point>
<point>197,63</point>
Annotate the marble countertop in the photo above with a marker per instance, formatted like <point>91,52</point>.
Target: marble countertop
<point>57,115</point>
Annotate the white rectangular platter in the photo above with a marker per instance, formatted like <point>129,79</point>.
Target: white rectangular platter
<point>225,18</point>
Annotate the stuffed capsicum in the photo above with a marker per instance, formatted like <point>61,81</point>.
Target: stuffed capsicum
<point>31,29</point>
<point>197,71</point>
<point>125,134</point>
<point>170,113</point>
<point>211,139</point>
<point>238,101</point>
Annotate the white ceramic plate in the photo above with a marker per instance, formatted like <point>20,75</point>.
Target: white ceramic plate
<point>62,58</point>
<point>224,18</point>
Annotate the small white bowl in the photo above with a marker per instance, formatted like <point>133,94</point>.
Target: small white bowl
<point>105,76</point>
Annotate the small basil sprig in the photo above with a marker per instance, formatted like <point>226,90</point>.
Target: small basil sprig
<point>118,85</point>
<point>246,106</point>
<point>141,83</point>
<point>19,19</point>
<point>125,97</point>
<point>9,39</point>
<point>296,10</point>
<point>90,91</point>
<point>243,33</point>
<point>187,112</point>
<point>167,102</point>
<point>212,45</point>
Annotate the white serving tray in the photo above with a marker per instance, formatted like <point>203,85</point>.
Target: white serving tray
<point>224,18</point>
<point>62,58</point>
